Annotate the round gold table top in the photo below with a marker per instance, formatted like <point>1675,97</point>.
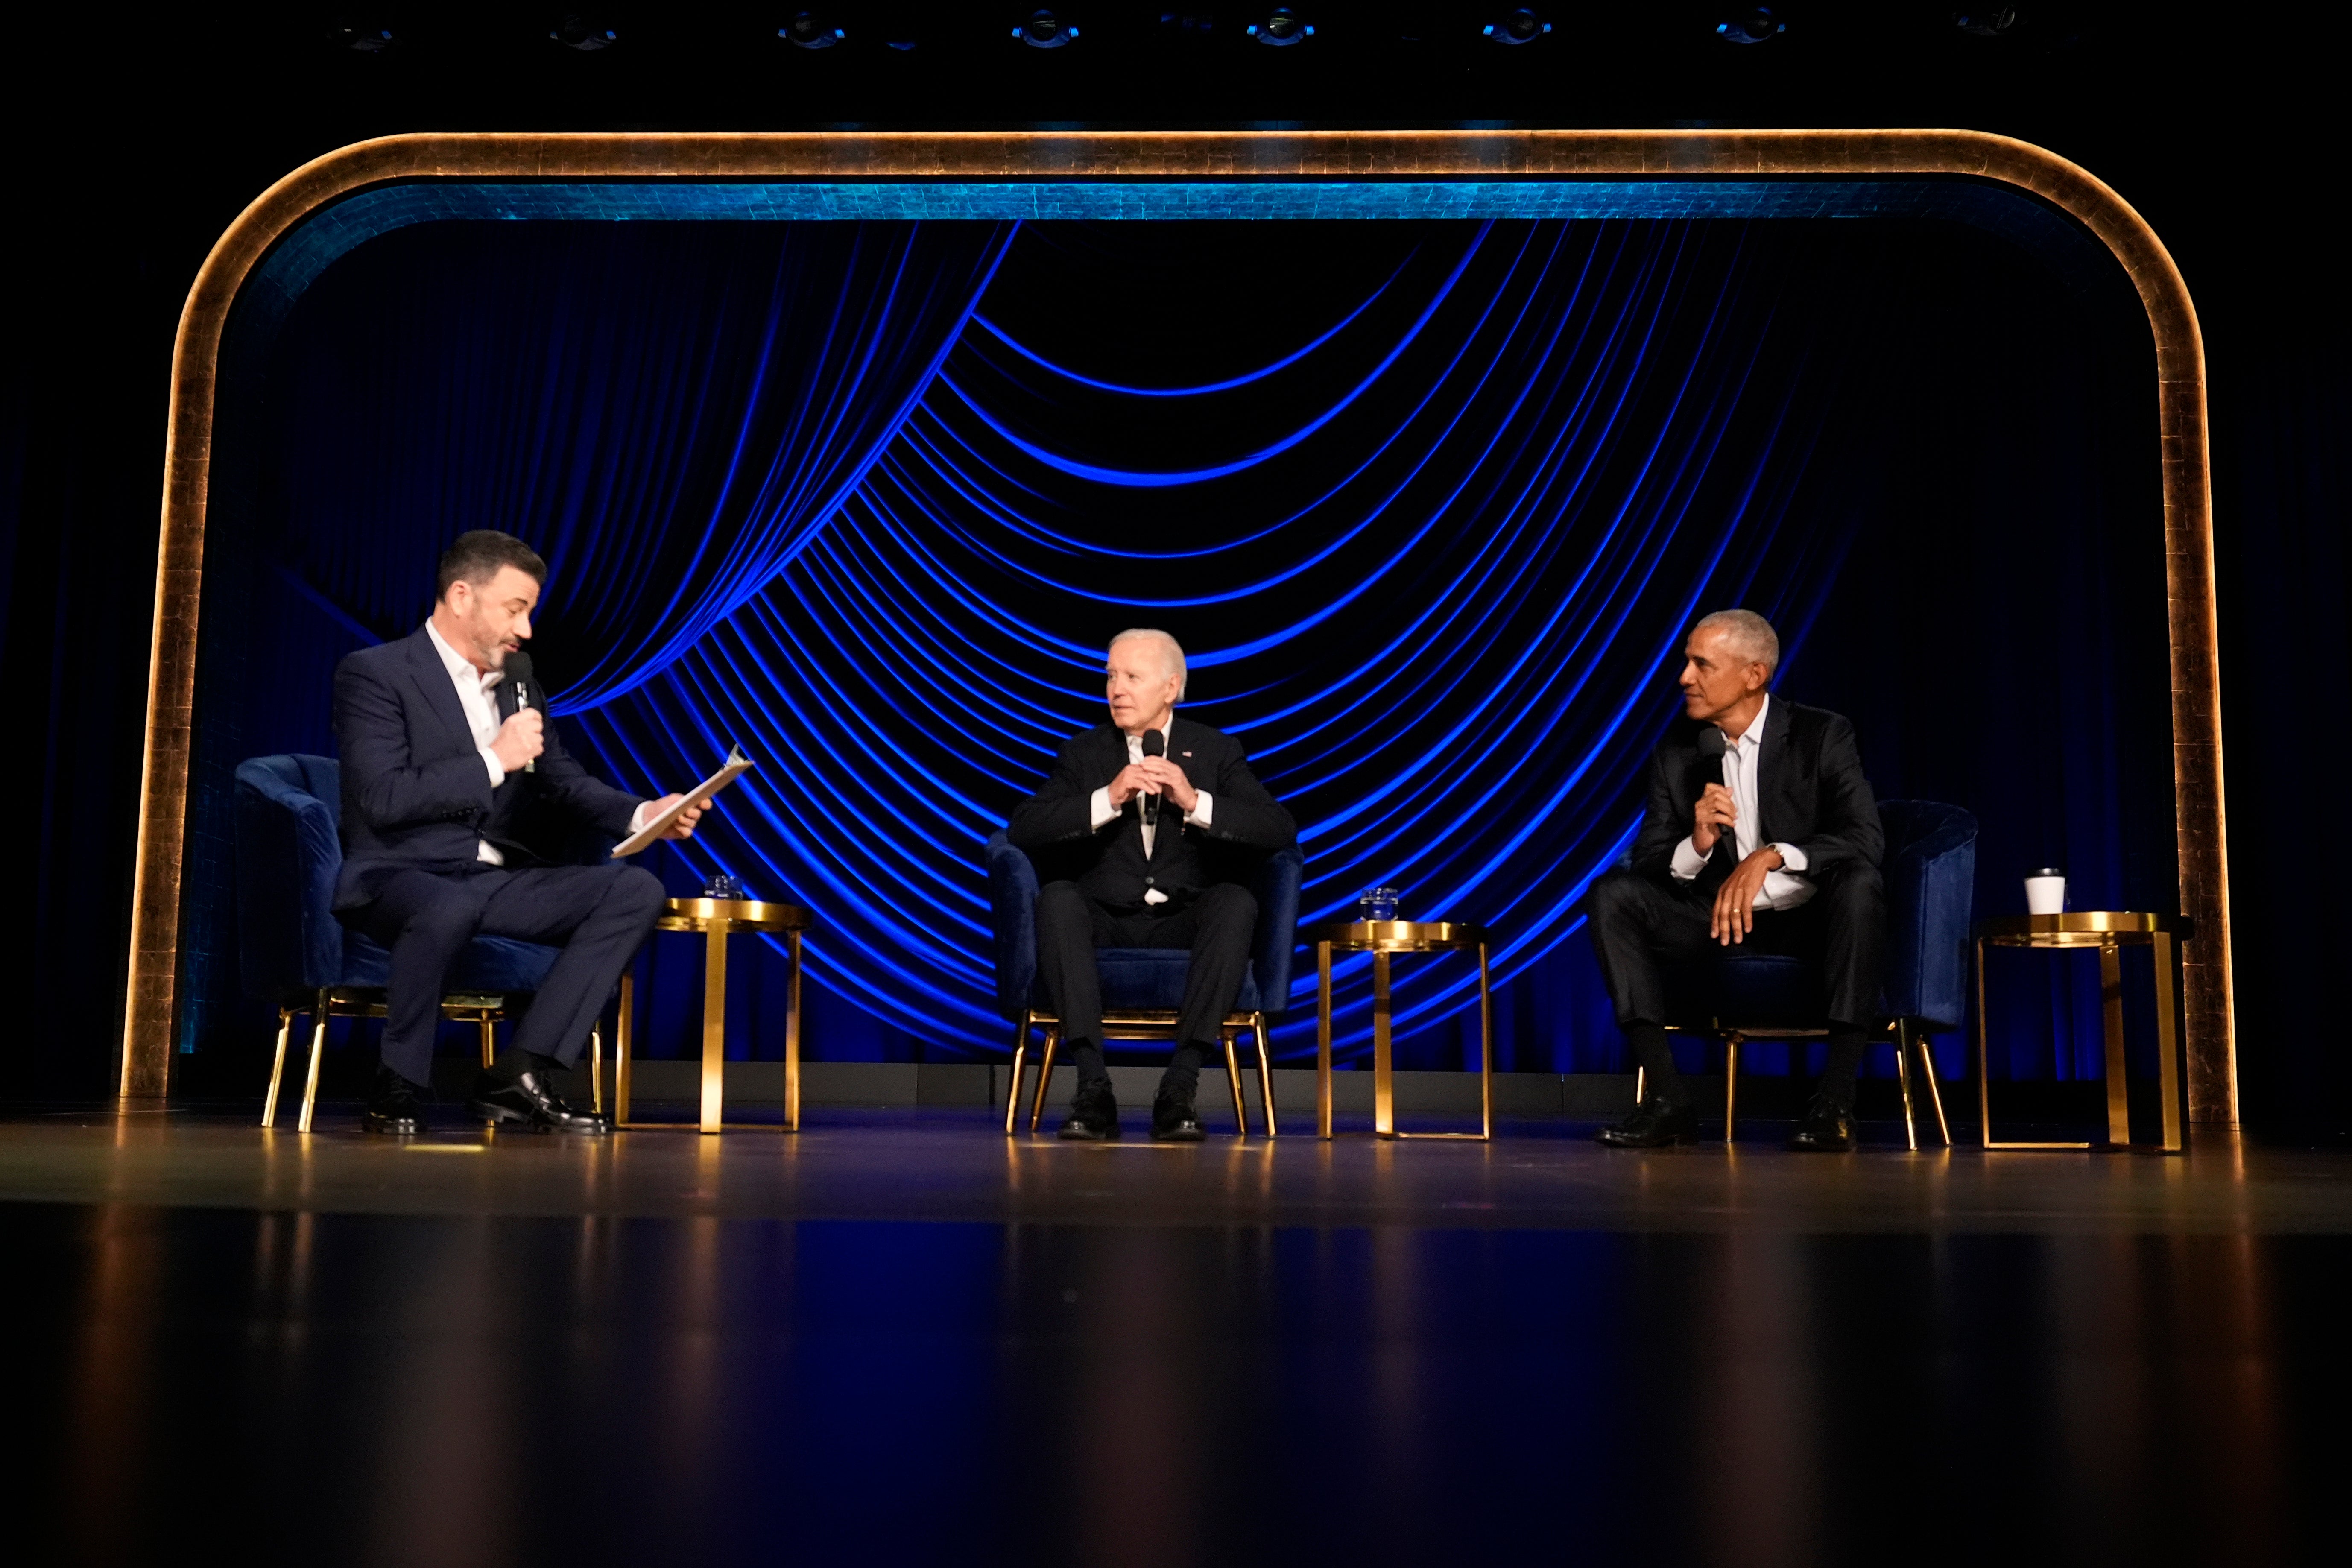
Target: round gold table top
<point>1398,936</point>
<point>2079,927</point>
<point>736,914</point>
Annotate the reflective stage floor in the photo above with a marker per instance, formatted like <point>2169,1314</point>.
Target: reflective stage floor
<point>897,1338</point>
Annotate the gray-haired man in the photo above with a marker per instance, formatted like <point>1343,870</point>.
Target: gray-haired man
<point>1146,834</point>
<point>1778,851</point>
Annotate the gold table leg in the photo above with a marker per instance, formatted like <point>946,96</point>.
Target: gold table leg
<point>2168,1044</point>
<point>714,1027</point>
<point>1485,1053</point>
<point>793,1040</point>
<point>1323,1039</point>
<point>2111,1014</point>
<point>1984,1072</point>
<point>623,1027</point>
<point>1383,1069</point>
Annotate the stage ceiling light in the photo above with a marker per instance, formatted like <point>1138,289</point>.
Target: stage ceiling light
<point>1281,28</point>
<point>584,31</point>
<point>1521,26</point>
<point>366,36</point>
<point>1043,30</point>
<point>1990,23</point>
<point>810,30</point>
<point>1755,25</point>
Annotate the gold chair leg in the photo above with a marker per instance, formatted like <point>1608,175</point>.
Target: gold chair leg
<point>1641,1083</point>
<point>1013,1094</point>
<point>1264,1072</point>
<point>489,1041</point>
<point>1731,1082</point>
<point>1233,1079</point>
<point>1934,1095</point>
<point>1044,1074</point>
<point>596,1067</point>
<point>318,1049</point>
<point>277,1066</point>
<point>1903,1071</point>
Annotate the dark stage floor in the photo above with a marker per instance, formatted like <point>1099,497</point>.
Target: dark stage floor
<point>897,1338</point>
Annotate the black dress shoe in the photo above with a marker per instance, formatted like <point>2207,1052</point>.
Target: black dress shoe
<point>528,1102</point>
<point>1173,1120</point>
<point>1827,1129</point>
<point>1654,1124</point>
<point>1093,1113</point>
<point>393,1106</point>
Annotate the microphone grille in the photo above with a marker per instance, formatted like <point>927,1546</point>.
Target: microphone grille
<point>1155,745</point>
<point>517,666</point>
<point>1711,743</point>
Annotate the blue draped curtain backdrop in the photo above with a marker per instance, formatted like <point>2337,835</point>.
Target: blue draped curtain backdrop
<point>1430,504</point>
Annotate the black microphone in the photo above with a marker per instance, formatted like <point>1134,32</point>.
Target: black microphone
<point>517,669</point>
<point>1155,745</point>
<point>1711,748</point>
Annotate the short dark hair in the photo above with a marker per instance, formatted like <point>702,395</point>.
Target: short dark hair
<point>476,557</point>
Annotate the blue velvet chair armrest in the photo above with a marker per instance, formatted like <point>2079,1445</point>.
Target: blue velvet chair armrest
<point>1012,921</point>
<point>1931,866</point>
<point>1278,881</point>
<point>288,854</point>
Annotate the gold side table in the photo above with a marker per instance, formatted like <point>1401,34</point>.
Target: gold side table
<point>718,918</point>
<point>2107,930</point>
<point>1383,939</point>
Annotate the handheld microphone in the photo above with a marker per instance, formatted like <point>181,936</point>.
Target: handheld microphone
<point>517,669</point>
<point>1155,745</point>
<point>1711,747</point>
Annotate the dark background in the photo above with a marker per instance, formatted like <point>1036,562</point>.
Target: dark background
<point>138,138</point>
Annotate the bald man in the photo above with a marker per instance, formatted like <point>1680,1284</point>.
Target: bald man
<point>1146,835</point>
<point>1778,852</point>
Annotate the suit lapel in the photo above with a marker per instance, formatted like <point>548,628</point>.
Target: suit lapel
<point>1771,768</point>
<point>431,678</point>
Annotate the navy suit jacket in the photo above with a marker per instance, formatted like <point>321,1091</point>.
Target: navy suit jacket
<point>415,794</point>
<point>1809,785</point>
<point>1055,827</point>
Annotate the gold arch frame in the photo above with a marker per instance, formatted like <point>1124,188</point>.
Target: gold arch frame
<point>153,999</point>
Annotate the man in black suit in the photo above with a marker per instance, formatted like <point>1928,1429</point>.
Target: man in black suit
<point>1778,850</point>
<point>1146,836</point>
<point>453,785</point>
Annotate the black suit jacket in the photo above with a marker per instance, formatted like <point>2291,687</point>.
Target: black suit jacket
<point>1809,785</point>
<point>415,794</point>
<point>1055,827</point>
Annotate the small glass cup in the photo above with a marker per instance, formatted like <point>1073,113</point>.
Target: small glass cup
<point>723,886</point>
<point>1378,903</point>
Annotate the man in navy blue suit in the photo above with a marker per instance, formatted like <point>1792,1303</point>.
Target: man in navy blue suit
<point>454,786</point>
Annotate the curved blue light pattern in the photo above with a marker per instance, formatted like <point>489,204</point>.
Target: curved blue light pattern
<point>1440,607</point>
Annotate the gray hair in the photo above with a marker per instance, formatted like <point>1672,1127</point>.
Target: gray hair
<point>1751,636</point>
<point>1172,653</point>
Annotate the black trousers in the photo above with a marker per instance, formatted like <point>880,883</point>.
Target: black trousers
<point>1645,927</point>
<point>598,914</point>
<point>1217,926</point>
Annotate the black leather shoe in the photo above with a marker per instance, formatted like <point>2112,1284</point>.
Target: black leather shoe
<point>529,1103</point>
<point>1093,1113</point>
<point>1173,1120</point>
<point>393,1106</point>
<point>1827,1129</point>
<point>1653,1125</point>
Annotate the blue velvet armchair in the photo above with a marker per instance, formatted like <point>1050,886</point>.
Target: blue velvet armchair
<point>1141,987</point>
<point>1930,871</point>
<point>295,954</point>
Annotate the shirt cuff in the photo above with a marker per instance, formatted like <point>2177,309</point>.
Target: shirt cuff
<point>497,769</point>
<point>1099,809</point>
<point>1791,858</point>
<point>643,815</point>
<point>1688,861</point>
<point>1204,808</point>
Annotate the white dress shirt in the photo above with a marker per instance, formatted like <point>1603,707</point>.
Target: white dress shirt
<point>1782,889</point>
<point>1103,813</point>
<point>478,694</point>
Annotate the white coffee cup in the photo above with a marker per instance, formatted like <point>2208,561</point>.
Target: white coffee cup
<point>2045,891</point>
